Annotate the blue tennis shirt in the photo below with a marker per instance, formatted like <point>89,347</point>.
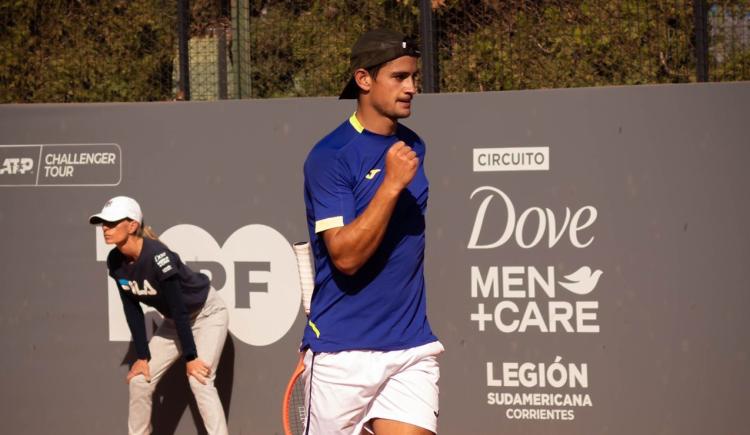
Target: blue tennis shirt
<point>382,306</point>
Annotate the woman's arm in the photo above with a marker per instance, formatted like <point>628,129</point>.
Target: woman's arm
<point>195,366</point>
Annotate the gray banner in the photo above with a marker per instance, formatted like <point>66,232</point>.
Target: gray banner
<point>585,264</point>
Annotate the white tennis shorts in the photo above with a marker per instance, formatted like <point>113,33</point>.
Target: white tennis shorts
<point>344,391</point>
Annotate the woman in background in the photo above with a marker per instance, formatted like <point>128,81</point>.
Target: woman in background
<point>195,317</point>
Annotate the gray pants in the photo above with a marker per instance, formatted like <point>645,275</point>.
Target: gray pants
<point>209,332</point>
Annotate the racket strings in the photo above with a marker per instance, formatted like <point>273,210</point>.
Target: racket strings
<point>297,409</point>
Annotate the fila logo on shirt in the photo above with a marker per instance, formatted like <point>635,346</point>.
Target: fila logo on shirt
<point>254,271</point>
<point>372,174</point>
<point>133,287</point>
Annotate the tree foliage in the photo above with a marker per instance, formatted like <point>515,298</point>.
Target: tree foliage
<point>563,43</point>
<point>301,48</point>
<point>78,50</point>
<point>125,50</point>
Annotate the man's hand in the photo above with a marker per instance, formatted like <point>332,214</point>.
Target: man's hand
<point>199,370</point>
<point>139,367</point>
<point>352,245</point>
<point>401,163</point>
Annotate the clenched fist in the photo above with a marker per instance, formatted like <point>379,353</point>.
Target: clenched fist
<point>401,163</point>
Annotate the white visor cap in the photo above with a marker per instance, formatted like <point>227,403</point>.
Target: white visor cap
<point>117,208</point>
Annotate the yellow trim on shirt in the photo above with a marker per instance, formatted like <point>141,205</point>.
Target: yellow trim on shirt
<point>327,224</point>
<point>314,328</point>
<point>355,123</point>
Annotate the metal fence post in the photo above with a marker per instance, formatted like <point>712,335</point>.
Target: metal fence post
<point>183,31</point>
<point>222,66</point>
<point>700,16</point>
<point>430,70</point>
<point>237,37</point>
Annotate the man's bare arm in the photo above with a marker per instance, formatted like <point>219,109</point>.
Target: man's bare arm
<point>353,244</point>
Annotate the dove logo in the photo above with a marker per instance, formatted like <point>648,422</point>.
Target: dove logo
<point>582,281</point>
<point>519,282</point>
<point>254,271</point>
<point>528,299</point>
<point>519,227</point>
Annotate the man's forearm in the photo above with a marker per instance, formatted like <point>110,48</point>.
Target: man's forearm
<point>352,245</point>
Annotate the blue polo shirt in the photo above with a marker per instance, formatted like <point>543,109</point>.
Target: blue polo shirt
<point>382,306</point>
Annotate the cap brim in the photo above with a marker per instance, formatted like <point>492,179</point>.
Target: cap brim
<point>104,217</point>
<point>351,91</point>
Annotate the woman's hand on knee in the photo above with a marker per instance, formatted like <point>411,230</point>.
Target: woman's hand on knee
<point>198,369</point>
<point>139,367</point>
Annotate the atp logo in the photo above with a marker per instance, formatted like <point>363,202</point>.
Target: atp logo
<point>254,271</point>
<point>16,165</point>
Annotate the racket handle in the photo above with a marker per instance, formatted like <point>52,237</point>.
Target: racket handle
<point>306,270</point>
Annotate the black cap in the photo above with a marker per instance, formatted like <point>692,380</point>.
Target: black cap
<point>374,48</point>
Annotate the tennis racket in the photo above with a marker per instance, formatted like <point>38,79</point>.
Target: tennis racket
<point>293,410</point>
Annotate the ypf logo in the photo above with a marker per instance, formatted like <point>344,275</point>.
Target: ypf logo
<point>255,273</point>
<point>16,165</point>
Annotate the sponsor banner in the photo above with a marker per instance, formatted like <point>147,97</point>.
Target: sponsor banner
<point>534,303</point>
<point>607,295</point>
<point>60,165</point>
<point>524,298</point>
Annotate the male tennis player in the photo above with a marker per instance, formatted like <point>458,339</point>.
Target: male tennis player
<point>371,355</point>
